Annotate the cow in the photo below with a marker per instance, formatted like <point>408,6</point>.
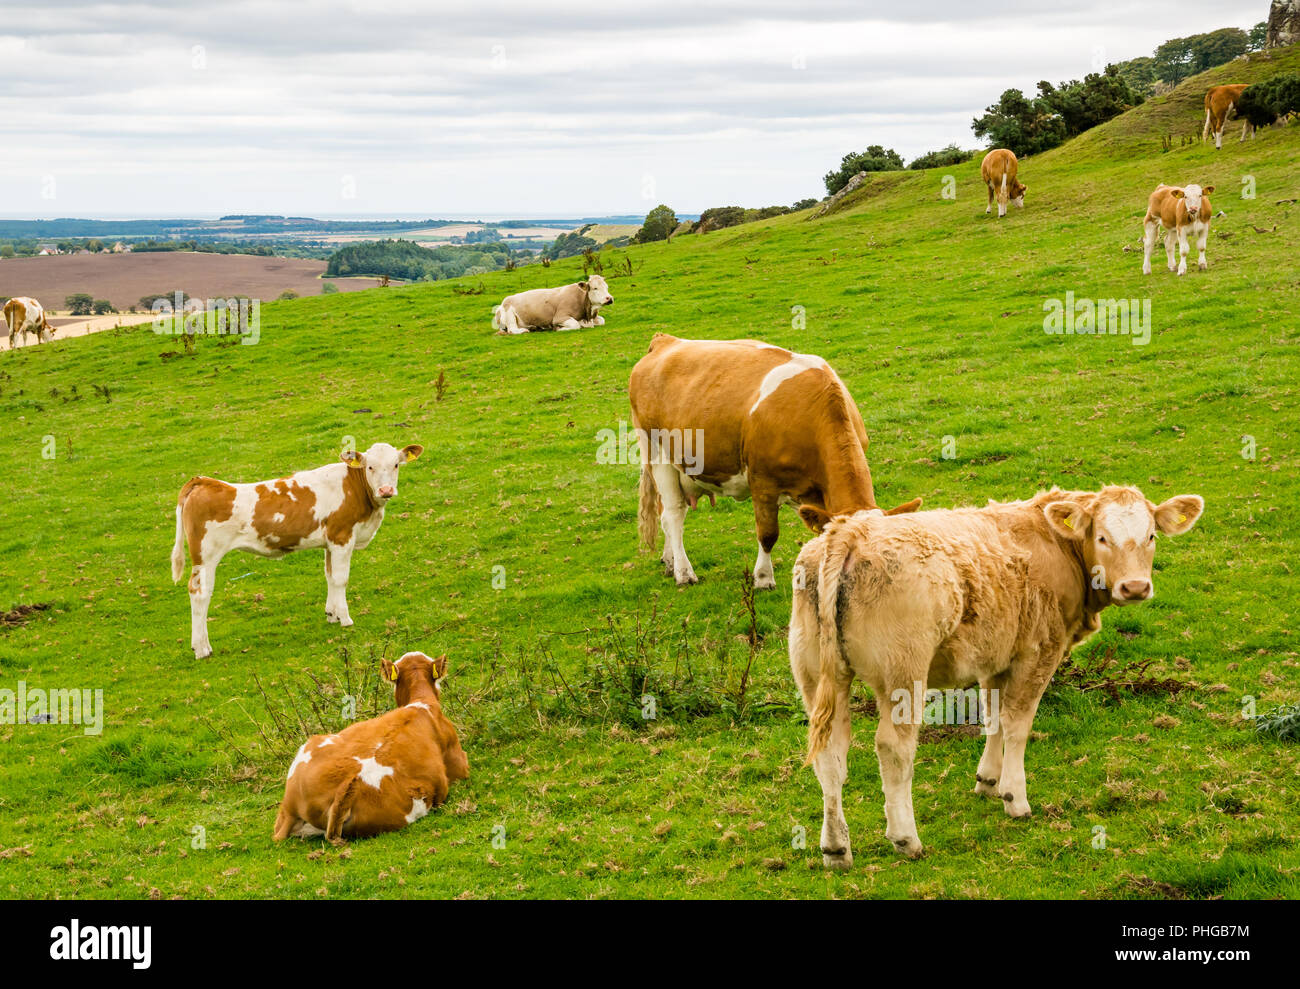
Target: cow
<point>999,173</point>
<point>377,775</point>
<point>569,307</point>
<point>994,596</point>
<point>338,508</point>
<point>24,315</point>
<point>1182,213</point>
<point>1220,104</point>
<point>743,419</point>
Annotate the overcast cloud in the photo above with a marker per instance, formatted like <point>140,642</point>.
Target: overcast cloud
<point>504,108</point>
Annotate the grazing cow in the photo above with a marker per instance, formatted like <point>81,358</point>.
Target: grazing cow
<point>999,173</point>
<point>24,315</point>
<point>945,599</point>
<point>569,307</point>
<point>338,508</point>
<point>1220,104</point>
<point>377,775</point>
<point>1182,213</point>
<point>743,418</point>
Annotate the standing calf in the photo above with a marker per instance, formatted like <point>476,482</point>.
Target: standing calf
<point>338,507</point>
<point>1181,212</point>
<point>944,599</point>
<point>999,173</point>
<point>377,775</point>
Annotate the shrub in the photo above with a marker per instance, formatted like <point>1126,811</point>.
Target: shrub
<point>874,159</point>
<point>80,304</point>
<point>659,223</point>
<point>103,307</point>
<point>951,155</point>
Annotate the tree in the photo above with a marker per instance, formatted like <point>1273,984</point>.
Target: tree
<point>1022,125</point>
<point>1140,74</point>
<point>1082,105</point>
<point>951,155</point>
<point>1258,36</point>
<point>874,159</point>
<point>1216,47</point>
<point>659,223</point>
<point>6,250</point>
<point>804,204</point>
<point>80,304</point>
<point>102,307</point>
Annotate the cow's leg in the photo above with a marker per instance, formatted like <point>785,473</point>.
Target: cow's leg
<point>1150,230</point>
<point>990,767</point>
<point>569,324</point>
<point>989,208</point>
<point>1201,238</point>
<point>510,321</point>
<point>1169,250</point>
<point>1182,250</point>
<point>765,521</point>
<point>203,578</point>
<point>1017,705</point>
<point>832,769</point>
<point>896,752</point>
<point>1218,133</point>
<point>672,519</point>
<point>338,565</point>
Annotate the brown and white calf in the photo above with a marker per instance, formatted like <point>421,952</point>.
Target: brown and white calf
<point>994,596</point>
<point>338,508</point>
<point>569,307</point>
<point>377,775</point>
<point>999,173</point>
<point>25,315</point>
<point>1220,102</point>
<point>744,419</point>
<point>1183,213</point>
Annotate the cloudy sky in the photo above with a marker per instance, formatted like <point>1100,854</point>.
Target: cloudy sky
<point>495,108</point>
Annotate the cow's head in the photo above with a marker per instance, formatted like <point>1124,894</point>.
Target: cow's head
<point>1115,530</point>
<point>378,466</point>
<point>414,675</point>
<point>1018,193</point>
<point>1194,199</point>
<point>597,292</point>
<point>817,518</point>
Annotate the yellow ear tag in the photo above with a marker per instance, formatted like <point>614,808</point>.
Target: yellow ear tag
<point>1069,524</point>
<point>394,676</point>
<point>1182,518</point>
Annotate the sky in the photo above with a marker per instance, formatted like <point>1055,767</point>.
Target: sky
<point>509,109</point>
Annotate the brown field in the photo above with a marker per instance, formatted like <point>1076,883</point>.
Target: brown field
<point>124,278</point>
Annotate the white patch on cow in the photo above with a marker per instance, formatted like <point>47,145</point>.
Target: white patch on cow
<point>301,758</point>
<point>304,830</point>
<point>372,773</point>
<point>1126,523</point>
<point>797,364</point>
<point>418,809</point>
<point>419,704</point>
<point>278,517</point>
<point>329,740</point>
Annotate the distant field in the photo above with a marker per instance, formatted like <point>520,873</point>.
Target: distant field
<point>124,278</point>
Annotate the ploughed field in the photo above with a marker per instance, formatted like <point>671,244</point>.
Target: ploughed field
<point>511,546</point>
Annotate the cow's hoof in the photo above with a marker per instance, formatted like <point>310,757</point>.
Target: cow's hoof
<point>1018,809</point>
<point>346,622</point>
<point>987,788</point>
<point>331,617</point>
<point>1202,266</point>
<point>910,846</point>
<point>840,859</point>
<point>202,652</point>
<point>685,580</point>
<point>1146,269</point>
<point>764,583</point>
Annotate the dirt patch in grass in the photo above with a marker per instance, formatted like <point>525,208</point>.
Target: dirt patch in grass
<point>21,615</point>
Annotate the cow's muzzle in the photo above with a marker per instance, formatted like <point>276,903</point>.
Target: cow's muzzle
<point>1129,591</point>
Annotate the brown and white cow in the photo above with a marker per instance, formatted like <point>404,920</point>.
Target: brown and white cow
<point>744,419</point>
<point>999,173</point>
<point>377,775</point>
<point>24,315</point>
<point>569,307</point>
<point>994,596</point>
<point>338,508</point>
<point>1182,213</point>
<point>1220,102</point>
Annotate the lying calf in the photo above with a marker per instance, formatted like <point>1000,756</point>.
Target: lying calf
<point>377,775</point>
<point>570,307</point>
<point>996,596</point>
<point>338,508</point>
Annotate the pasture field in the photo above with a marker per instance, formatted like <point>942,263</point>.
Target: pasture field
<point>512,548</point>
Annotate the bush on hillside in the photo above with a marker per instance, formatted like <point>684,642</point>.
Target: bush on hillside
<point>659,223</point>
<point>951,155</point>
<point>1264,102</point>
<point>408,261</point>
<point>874,159</point>
<point>80,304</point>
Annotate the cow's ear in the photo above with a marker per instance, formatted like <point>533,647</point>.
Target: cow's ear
<point>409,453</point>
<point>814,518</point>
<point>907,506</point>
<point>1177,193</point>
<point>389,670</point>
<point>352,458</point>
<point>584,285</point>
<point>1208,189</point>
<point>439,670</point>
<point>1179,513</point>
<point>1067,519</point>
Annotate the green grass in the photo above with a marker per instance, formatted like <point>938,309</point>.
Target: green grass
<point>930,311</point>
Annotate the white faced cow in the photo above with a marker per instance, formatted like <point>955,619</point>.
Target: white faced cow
<point>1183,213</point>
<point>569,307</point>
<point>338,508</point>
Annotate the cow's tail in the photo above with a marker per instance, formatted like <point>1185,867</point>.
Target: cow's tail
<point>647,518</point>
<point>340,812</point>
<point>178,547</point>
<point>498,322</point>
<point>834,668</point>
<point>1205,131</point>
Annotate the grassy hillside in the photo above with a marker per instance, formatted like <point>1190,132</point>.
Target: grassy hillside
<point>932,313</point>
